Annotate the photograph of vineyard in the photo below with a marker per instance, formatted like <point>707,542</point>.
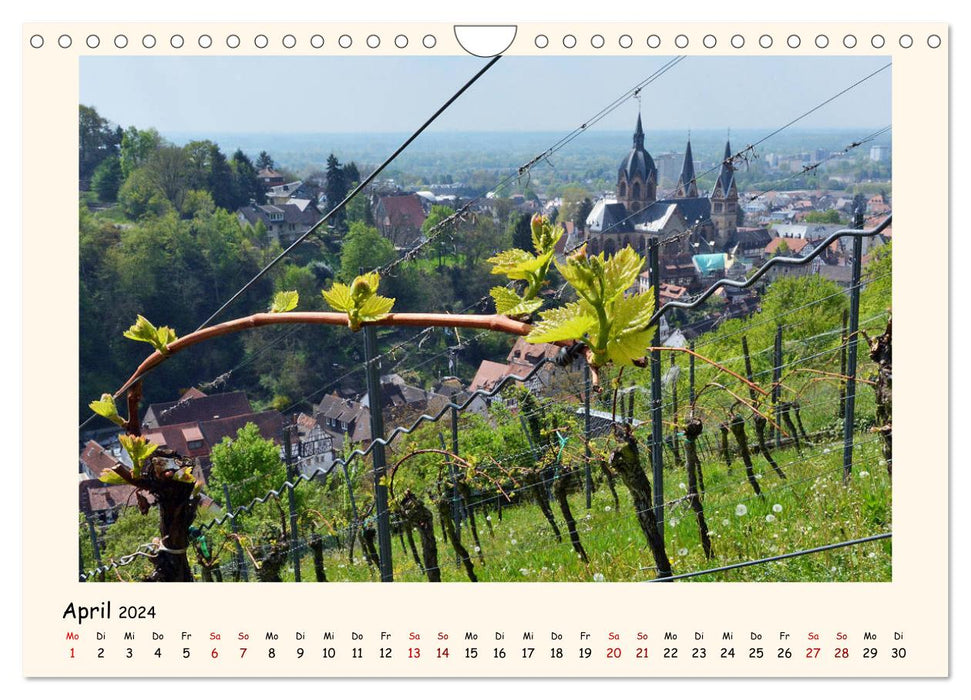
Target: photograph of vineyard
<point>556,405</point>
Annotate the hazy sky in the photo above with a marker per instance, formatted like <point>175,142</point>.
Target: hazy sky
<point>388,94</point>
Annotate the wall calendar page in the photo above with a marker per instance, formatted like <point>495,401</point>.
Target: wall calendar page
<point>485,350</point>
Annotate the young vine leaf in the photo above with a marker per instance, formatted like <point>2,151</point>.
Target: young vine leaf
<point>360,301</point>
<point>105,407</point>
<point>284,301</point>
<point>531,268</point>
<point>110,476</point>
<point>159,338</point>
<point>613,325</point>
<point>138,449</point>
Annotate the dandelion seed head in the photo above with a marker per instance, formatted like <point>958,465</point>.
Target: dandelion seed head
<point>599,578</point>
<point>606,509</point>
<point>741,510</point>
<point>683,552</point>
<point>777,508</point>
<point>770,518</point>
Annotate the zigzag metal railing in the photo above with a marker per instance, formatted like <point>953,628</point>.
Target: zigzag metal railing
<point>744,284</point>
<point>400,430</point>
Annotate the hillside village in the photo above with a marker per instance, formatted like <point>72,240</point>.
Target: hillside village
<point>705,235</point>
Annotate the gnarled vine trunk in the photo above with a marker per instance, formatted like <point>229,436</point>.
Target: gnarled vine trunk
<point>881,352</point>
<point>177,509</point>
<point>444,505</point>
<point>784,414</point>
<point>316,545</point>
<point>273,560</point>
<point>561,489</point>
<point>625,460</point>
<point>737,425</point>
<point>725,450</point>
<point>419,517</point>
<point>692,430</point>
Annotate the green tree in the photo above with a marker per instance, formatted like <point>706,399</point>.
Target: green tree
<point>351,174</point>
<point>436,216</point>
<point>141,196</point>
<point>137,146</point>
<point>197,202</point>
<point>364,247</point>
<point>264,161</point>
<point>249,465</point>
<point>168,170</point>
<point>479,240</point>
<point>359,209</point>
<point>573,196</point>
<point>336,189</point>
<point>96,140</point>
<point>830,216</point>
<point>107,179</point>
<point>129,532</point>
<point>208,169</point>
<point>521,234</point>
<point>583,211</point>
<point>246,183</point>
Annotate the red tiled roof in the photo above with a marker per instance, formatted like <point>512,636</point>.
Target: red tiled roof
<point>488,375</point>
<point>794,244</point>
<point>192,433</point>
<point>526,353</point>
<point>193,409</point>
<point>97,459</point>
<point>403,210</point>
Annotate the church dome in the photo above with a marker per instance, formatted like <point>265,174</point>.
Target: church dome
<point>638,162</point>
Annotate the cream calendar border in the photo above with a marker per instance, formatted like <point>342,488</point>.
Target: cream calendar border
<point>916,600</point>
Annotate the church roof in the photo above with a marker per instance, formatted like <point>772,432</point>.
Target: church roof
<point>686,182</point>
<point>726,177</point>
<point>695,210</point>
<point>638,162</point>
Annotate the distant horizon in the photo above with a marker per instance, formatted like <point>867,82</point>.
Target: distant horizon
<point>392,95</point>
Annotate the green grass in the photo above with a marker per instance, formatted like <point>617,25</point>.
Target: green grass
<point>810,509</point>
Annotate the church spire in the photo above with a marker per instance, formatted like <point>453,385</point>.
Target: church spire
<point>687,187</point>
<point>639,133</point>
<point>725,184</point>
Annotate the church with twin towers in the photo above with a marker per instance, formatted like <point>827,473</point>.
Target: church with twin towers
<point>635,214</point>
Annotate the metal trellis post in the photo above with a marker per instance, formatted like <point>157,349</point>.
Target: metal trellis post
<point>587,477</point>
<point>455,494</point>
<point>455,451</point>
<point>375,405</point>
<point>94,542</point>
<point>240,557</point>
<point>852,340</point>
<point>691,374</point>
<point>657,451</point>
<point>292,499</point>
